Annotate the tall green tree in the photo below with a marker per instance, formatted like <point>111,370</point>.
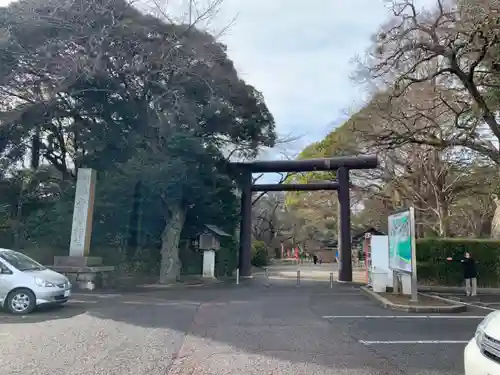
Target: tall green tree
<point>101,85</point>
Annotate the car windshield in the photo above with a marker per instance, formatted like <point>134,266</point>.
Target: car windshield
<point>20,261</point>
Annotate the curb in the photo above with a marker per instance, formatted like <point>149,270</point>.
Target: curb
<point>454,289</point>
<point>385,303</point>
<point>144,288</point>
<point>351,283</point>
<point>153,287</point>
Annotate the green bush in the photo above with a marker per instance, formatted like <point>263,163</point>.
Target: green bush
<point>259,254</point>
<point>433,268</point>
<point>226,258</point>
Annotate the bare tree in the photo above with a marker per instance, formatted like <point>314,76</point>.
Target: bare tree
<point>449,56</point>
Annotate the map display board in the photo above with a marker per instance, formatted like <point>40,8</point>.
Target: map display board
<point>401,241</point>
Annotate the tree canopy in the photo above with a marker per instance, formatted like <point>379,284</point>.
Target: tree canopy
<point>151,105</point>
<point>432,119</point>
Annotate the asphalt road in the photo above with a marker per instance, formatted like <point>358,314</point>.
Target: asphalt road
<point>252,328</point>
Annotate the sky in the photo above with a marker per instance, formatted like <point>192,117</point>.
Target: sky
<point>299,54</point>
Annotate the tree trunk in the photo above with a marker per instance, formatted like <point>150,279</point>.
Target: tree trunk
<point>35,148</point>
<point>170,263</point>
<point>443,216</point>
<point>495,221</point>
<point>18,220</point>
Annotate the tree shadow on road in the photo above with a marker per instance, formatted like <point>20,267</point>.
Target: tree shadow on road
<point>269,327</point>
<point>276,328</point>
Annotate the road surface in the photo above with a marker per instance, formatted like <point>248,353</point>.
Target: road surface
<point>257,327</point>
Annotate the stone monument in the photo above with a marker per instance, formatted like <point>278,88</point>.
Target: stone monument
<point>85,271</point>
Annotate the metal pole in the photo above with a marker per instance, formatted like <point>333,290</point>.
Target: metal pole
<point>414,282</point>
<point>298,277</point>
<point>190,11</point>
<point>237,276</point>
<point>331,280</point>
<point>267,273</point>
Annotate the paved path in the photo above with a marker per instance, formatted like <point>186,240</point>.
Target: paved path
<point>312,271</point>
<point>259,327</point>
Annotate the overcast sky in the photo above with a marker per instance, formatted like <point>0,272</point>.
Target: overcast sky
<point>299,54</point>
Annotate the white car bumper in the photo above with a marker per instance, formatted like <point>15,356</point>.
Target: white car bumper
<point>476,363</point>
<point>52,296</point>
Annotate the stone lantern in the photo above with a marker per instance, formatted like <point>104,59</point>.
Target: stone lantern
<point>209,243</point>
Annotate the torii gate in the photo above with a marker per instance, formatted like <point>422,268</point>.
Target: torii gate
<point>341,164</point>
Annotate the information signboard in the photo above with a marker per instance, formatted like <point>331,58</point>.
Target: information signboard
<point>401,241</point>
<point>402,249</point>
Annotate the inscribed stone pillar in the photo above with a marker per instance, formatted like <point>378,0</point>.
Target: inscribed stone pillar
<point>81,229</point>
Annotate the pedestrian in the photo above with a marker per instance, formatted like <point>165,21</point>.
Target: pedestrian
<point>315,258</point>
<point>320,259</point>
<point>470,273</point>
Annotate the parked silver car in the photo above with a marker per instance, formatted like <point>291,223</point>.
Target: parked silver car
<point>25,283</point>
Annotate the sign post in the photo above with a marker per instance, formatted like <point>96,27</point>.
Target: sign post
<point>402,248</point>
<point>367,255</point>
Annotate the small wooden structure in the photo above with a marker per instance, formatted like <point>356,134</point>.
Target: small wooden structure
<point>359,236</point>
<point>209,243</point>
<point>330,248</point>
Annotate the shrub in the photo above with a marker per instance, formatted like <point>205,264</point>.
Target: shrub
<point>259,254</point>
<point>226,258</point>
<point>432,266</point>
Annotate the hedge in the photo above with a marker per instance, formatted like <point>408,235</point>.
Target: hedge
<point>259,254</point>
<point>433,268</point>
<point>226,258</point>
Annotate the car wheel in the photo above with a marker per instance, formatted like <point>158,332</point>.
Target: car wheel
<point>21,301</point>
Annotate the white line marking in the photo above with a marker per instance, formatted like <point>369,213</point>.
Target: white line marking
<point>339,294</point>
<point>412,342</point>
<point>460,302</point>
<point>97,295</point>
<point>403,317</point>
<point>180,304</point>
<point>79,301</point>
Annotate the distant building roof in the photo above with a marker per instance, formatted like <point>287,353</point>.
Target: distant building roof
<point>217,230</point>
<point>361,234</point>
<point>357,237</point>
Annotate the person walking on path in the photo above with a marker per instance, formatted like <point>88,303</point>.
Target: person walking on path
<point>470,273</point>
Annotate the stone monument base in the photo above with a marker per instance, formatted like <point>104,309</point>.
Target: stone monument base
<point>86,273</point>
<point>77,261</point>
<point>209,264</point>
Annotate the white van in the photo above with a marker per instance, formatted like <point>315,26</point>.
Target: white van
<point>25,283</point>
<point>482,353</point>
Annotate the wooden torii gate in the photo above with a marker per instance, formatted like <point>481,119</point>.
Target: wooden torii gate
<point>340,164</point>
